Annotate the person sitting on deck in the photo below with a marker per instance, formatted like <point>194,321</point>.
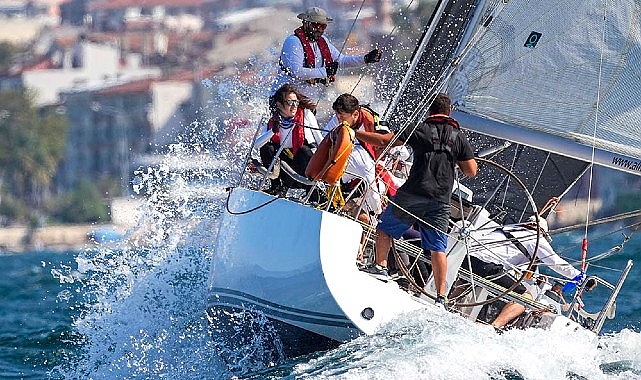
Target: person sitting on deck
<point>293,127</point>
<point>495,253</point>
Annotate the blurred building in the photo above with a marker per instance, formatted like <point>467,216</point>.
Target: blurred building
<point>127,73</point>
<point>75,62</point>
<point>113,126</point>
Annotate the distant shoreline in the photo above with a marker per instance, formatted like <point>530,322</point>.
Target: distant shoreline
<point>58,237</point>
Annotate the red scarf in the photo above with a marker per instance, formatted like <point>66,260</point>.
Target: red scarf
<point>298,134</point>
<point>308,52</point>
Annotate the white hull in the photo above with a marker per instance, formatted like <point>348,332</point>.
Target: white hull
<point>295,265</point>
<point>298,267</point>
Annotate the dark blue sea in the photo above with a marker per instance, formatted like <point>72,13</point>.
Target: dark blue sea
<point>132,311</point>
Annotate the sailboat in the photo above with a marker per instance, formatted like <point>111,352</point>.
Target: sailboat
<point>545,91</point>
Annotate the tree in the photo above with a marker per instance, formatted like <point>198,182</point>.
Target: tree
<point>84,204</point>
<point>31,147</point>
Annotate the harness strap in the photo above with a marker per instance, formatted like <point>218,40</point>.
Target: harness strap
<point>521,248</point>
<point>445,141</point>
<point>517,243</point>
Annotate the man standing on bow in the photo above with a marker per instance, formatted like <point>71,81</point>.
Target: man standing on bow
<point>424,199</point>
<point>308,60</point>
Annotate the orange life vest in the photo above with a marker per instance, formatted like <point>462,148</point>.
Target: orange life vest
<point>330,159</point>
<point>366,121</point>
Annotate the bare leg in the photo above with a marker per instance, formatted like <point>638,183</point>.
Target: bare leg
<point>439,268</point>
<point>510,311</point>
<point>362,217</point>
<point>383,244</point>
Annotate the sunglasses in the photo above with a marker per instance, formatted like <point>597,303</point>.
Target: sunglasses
<point>291,102</point>
<point>318,25</point>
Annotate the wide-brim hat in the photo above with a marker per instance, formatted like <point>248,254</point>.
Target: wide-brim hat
<point>315,14</point>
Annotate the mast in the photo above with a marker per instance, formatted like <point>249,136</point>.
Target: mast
<point>431,58</point>
<point>414,60</point>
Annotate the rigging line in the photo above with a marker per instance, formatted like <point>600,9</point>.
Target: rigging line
<point>249,151</point>
<point>390,34</point>
<point>607,219</point>
<point>609,252</point>
<point>517,154</point>
<point>415,58</point>
<point>567,189</point>
<point>634,227</point>
<point>418,115</point>
<point>536,183</point>
<point>592,265</point>
<point>340,52</point>
<point>245,211</point>
<point>420,51</point>
<point>439,83</point>
<point>596,123</point>
<point>404,12</point>
<point>347,37</point>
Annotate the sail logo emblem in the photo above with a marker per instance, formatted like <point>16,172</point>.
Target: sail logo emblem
<point>532,40</point>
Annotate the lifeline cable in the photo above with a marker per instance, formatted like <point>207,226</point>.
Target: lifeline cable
<point>391,33</point>
<point>340,52</point>
<point>584,246</point>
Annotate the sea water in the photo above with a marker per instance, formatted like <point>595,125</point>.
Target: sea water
<point>135,309</point>
<point>124,312</point>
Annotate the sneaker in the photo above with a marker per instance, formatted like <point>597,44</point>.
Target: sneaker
<point>377,271</point>
<point>397,276</point>
<point>441,301</point>
<point>403,283</point>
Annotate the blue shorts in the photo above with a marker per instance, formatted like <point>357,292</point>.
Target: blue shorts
<point>431,239</point>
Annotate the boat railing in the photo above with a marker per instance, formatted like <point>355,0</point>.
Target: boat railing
<point>595,321</point>
<point>415,252</point>
<point>360,185</point>
<point>498,290</point>
<point>353,194</point>
<point>575,311</point>
<point>276,165</point>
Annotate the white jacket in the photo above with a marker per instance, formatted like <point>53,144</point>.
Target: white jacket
<point>312,132</point>
<point>292,58</point>
<point>495,247</point>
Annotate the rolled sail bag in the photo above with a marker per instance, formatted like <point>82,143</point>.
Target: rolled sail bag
<point>330,159</point>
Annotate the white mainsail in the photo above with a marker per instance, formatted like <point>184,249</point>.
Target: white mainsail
<point>565,69</point>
